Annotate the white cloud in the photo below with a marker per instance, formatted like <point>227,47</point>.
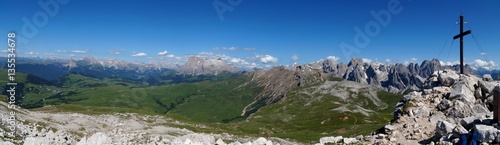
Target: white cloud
<point>114,52</point>
<point>366,60</point>
<point>253,65</point>
<point>236,60</point>
<point>268,59</point>
<point>140,54</point>
<point>171,55</point>
<point>163,53</point>
<point>478,63</point>
<point>413,60</point>
<point>483,54</point>
<point>226,48</point>
<point>79,51</point>
<point>295,57</point>
<point>333,58</point>
<point>60,51</point>
<point>250,49</point>
<point>31,53</point>
<point>206,53</point>
<point>449,63</point>
<point>406,62</point>
<point>388,61</point>
<point>4,51</point>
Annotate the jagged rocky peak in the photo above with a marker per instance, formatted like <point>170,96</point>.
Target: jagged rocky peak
<point>395,78</point>
<point>355,62</point>
<point>202,66</point>
<point>429,66</point>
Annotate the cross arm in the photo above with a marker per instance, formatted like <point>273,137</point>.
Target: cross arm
<point>462,34</point>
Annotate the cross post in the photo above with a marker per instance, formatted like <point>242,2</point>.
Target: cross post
<point>461,36</point>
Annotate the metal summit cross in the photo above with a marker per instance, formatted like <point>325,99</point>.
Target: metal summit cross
<point>461,36</point>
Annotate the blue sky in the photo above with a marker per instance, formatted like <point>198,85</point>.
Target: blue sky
<point>251,32</point>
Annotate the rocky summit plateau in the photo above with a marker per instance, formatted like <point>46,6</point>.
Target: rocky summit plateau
<point>451,109</point>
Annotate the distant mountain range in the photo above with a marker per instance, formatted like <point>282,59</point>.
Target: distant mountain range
<point>52,69</point>
<point>393,77</point>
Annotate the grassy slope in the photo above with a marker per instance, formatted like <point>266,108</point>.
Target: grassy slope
<point>207,101</point>
<point>307,123</point>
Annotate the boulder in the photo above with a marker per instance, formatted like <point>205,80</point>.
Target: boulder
<point>444,104</point>
<point>350,140</point>
<point>441,90</point>
<point>487,77</point>
<point>360,137</point>
<point>220,142</point>
<point>436,117</point>
<point>468,122</point>
<point>413,95</point>
<point>421,111</point>
<point>447,77</point>
<point>459,110</point>
<point>430,83</point>
<point>97,138</point>
<point>388,128</point>
<point>489,103</point>
<point>459,130</point>
<point>444,128</point>
<point>480,109</point>
<point>486,88</point>
<point>6,143</point>
<point>485,133</point>
<point>198,138</point>
<point>330,139</point>
<point>461,92</point>
<point>262,141</point>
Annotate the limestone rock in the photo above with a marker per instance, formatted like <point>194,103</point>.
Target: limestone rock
<point>469,122</point>
<point>421,111</point>
<point>431,82</point>
<point>487,77</point>
<point>480,109</point>
<point>220,142</point>
<point>444,128</point>
<point>261,141</point>
<point>413,95</point>
<point>485,134</point>
<point>96,139</point>
<point>447,77</point>
<point>388,128</point>
<point>350,140</point>
<point>331,139</point>
<point>459,110</point>
<point>463,93</point>
<point>198,138</point>
<point>459,130</point>
<point>444,104</point>
<point>6,143</point>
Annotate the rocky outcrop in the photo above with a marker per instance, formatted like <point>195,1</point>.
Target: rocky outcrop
<point>277,81</point>
<point>451,110</point>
